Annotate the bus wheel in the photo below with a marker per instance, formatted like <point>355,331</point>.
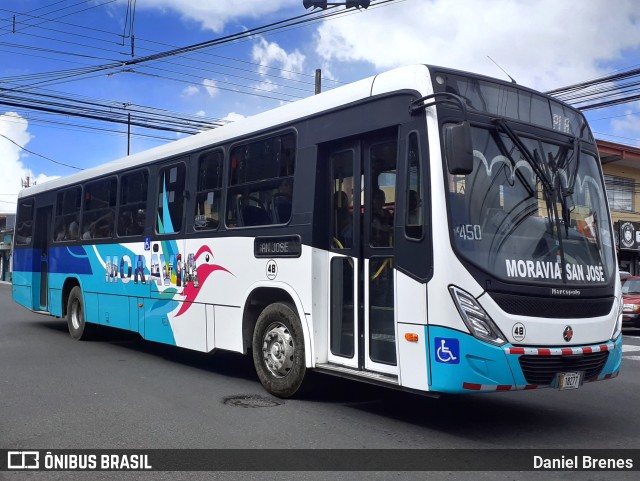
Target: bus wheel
<point>278,349</point>
<point>78,328</point>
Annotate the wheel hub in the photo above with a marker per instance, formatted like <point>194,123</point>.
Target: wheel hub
<point>75,315</point>
<point>278,349</point>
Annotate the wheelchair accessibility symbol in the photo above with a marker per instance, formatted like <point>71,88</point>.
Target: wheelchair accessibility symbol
<point>447,350</point>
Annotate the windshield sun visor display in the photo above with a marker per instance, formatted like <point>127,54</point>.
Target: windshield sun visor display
<point>504,100</point>
<point>532,211</point>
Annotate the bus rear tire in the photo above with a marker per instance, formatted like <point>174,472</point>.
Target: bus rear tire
<point>78,328</point>
<point>278,350</point>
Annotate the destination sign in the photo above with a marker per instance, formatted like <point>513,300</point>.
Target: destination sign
<point>283,246</point>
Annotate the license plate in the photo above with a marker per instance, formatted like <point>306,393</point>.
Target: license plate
<point>568,380</point>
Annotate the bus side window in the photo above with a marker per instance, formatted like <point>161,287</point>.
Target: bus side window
<point>133,203</point>
<point>414,221</point>
<point>67,219</point>
<point>170,211</point>
<point>98,209</point>
<point>24,223</point>
<point>208,195</point>
<point>383,192</point>
<point>261,182</point>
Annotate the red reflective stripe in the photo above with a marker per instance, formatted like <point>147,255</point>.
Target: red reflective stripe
<point>604,347</point>
<point>587,350</point>
<point>503,387</point>
<point>608,376</point>
<point>471,386</point>
<point>530,386</point>
<point>544,352</point>
<point>567,352</point>
<point>516,350</point>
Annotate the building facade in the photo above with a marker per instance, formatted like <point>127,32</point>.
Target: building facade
<point>621,169</point>
<point>7,222</point>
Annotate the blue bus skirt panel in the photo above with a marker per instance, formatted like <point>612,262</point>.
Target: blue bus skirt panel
<point>22,295</point>
<point>457,359</point>
<point>461,363</point>
<point>26,278</point>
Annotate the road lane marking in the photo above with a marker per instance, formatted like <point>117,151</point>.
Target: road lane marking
<point>635,358</point>
<point>630,348</point>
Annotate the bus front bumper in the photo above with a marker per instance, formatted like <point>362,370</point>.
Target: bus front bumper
<point>460,363</point>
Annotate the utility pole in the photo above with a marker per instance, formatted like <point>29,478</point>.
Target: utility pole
<point>27,182</point>
<point>128,133</point>
<point>318,81</point>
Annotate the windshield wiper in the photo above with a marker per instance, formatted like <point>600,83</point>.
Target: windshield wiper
<point>572,175</point>
<point>503,148</point>
<point>535,165</point>
<point>541,171</point>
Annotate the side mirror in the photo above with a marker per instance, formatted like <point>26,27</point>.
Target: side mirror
<point>458,148</point>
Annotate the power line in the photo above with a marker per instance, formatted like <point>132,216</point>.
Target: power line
<point>602,92</point>
<point>39,155</point>
<point>69,14</point>
<point>274,26</point>
<point>96,111</point>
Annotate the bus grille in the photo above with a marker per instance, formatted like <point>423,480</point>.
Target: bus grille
<point>553,307</point>
<point>541,370</point>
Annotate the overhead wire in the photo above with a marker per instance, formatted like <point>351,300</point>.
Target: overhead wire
<point>298,20</point>
<point>163,44</point>
<point>40,155</point>
<point>62,76</point>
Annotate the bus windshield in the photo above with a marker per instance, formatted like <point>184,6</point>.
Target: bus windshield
<point>532,211</point>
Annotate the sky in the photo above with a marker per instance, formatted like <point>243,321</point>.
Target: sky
<point>542,44</point>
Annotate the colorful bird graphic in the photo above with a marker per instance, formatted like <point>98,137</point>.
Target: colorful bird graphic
<point>204,268</point>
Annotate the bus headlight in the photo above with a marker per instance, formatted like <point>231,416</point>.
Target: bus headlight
<point>617,329</point>
<point>474,316</point>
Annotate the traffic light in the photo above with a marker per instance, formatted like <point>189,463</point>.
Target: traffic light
<point>323,3</point>
<point>314,4</point>
<point>357,3</point>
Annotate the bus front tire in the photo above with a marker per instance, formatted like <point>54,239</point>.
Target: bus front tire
<point>278,350</point>
<point>78,328</point>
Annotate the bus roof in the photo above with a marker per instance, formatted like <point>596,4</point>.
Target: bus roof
<point>411,77</point>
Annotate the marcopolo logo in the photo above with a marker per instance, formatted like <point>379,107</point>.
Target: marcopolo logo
<point>567,335</point>
<point>23,460</point>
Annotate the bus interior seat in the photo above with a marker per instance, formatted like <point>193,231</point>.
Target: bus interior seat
<point>253,215</point>
<point>125,221</point>
<point>281,208</point>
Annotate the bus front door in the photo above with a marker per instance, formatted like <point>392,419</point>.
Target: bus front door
<point>41,244</point>
<point>362,328</point>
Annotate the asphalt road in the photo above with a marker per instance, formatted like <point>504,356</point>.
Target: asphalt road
<point>122,392</point>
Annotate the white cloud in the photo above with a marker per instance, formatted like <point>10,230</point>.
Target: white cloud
<point>233,117</point>
<point>270,54</point>
<point>542,44</point>
<point>211,86</point>
<point>200,113</point>
<point>629,124</point>
<point>215,15</point>
<point>14,127</point>
<point>190,90</point>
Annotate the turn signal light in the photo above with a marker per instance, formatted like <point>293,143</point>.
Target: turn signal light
<point>411,337</point>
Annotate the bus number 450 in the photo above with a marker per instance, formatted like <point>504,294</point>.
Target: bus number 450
<point>469,231</point>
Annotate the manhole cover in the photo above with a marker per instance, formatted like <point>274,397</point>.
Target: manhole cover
<point>251,401</point>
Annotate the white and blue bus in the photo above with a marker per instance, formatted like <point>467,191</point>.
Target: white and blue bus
<point>425,229</point>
